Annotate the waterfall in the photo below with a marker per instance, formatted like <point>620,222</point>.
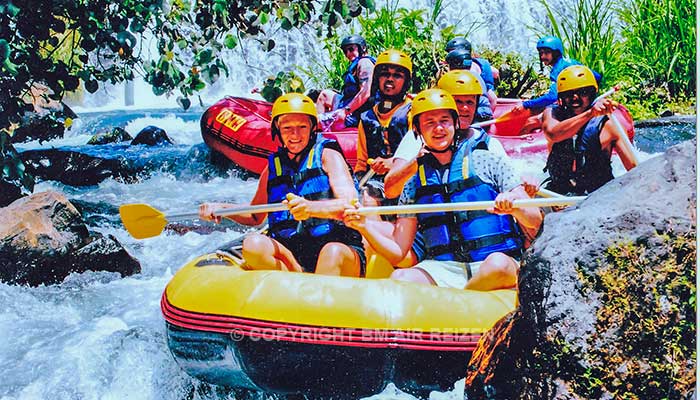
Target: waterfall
<point>506,25</point>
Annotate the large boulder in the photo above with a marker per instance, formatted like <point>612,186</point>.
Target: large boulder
<point>76,168</point>
<point>152,136</point>
<point>116,135</point>
<point>607,296</point>
<point>43,239</point>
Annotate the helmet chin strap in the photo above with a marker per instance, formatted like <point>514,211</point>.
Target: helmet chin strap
<point>449,148</point>
<point>386,103</point>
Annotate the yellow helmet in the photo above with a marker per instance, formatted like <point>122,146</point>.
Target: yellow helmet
<point>575,77</point>
<point>394,57</point>
<point>432,99</point>
<point>429,100</point>
<point>293,103</point>
<point>460,82</point>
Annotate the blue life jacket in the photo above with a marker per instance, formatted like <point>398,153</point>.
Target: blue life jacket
<point>464,236</point>
<point>486,73</point>
<point>479,140</point>
<point>350,89</point>
<point>381,141</point>
<point>310,181</point>
<point>579,166</point>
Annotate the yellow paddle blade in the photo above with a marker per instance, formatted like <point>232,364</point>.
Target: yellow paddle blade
<point>142,221</point>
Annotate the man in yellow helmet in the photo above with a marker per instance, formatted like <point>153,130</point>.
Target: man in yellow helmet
<point>466,90</point>
<point>311,176</point>
<point>472,250</point>
<point>383,126</point>
<point>580,137</point>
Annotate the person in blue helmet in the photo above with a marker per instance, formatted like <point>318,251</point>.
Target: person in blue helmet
<point>311,176</point>
<point>465,250</point>
<point>355,97</point>
<point>551,54</point>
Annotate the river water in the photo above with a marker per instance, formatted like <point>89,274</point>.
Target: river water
<point>98,336</point>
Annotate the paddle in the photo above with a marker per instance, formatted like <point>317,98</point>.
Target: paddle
<point>369,174</point>
<point>616,122</point>
<point>466,206</point>
<point>143,221</point>
<point>506,116</point>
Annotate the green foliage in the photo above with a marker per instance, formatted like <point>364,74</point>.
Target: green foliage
<point>649,304</point>
<point>415,32</point>
<point>63,44</point>
<point>660,44</point>
<point>284,82</point>
<point>517,77</point>
<point>12,169</point>
<point>589,35</point>
<point>652,55</point>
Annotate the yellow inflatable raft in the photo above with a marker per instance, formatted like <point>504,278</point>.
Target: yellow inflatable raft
<point>302,333</point>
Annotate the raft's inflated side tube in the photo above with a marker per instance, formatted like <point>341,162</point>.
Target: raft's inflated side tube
<point>292,332</point>
<point>535,143</point>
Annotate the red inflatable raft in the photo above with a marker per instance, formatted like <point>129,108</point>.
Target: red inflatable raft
<point>239,128</point>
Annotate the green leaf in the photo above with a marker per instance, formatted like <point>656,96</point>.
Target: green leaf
<point>368,4</point>
<point>184,102</point>
<point>91,86</point>
<point>181,44</point>
<point>203,57</point>
<point>286,24</point>
<point>230,41</point>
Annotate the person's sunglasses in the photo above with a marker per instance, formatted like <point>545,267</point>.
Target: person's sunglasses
<point>395,75</point>
<point>582,92</point>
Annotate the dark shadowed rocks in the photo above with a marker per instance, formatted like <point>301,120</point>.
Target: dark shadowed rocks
<point>75,168</point>
<point>606,296</point>
<point>43,239</point>
<point>152,136</point>
<point>116,135</point>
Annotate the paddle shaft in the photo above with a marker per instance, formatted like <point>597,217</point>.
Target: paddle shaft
<point>224,212</point>
<point>623,137</point>
<point>466,206</point>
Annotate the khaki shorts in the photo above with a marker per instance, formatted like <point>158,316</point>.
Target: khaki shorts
<point>452,274</point>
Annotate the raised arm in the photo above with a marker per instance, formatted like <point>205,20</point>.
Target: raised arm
<point>364,76</point>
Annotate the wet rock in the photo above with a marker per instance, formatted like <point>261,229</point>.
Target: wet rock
<point>606,296</point>
<point>43,239</point>
<point>39,127</point>
<point>152,136</point>
<point>116,135</point>
<point>14,180</point>
<point>75,168</point>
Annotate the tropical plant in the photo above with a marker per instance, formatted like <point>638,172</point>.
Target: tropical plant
<point>660,44</point>
<point>587,29</point>
<point>415,32</point>
<point>517,78</point>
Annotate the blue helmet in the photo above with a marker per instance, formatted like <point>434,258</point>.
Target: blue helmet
<point>552,43</point>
